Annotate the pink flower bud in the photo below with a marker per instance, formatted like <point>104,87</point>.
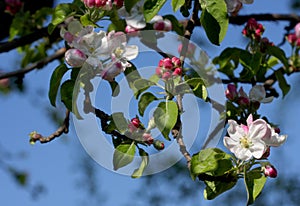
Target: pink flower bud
<point>167,63</point>
<point>270,171</point>
<point>297,30</point>
<point>148,139</point>
<point>131,30</point>
<point>118,3</point>
<point>68,37</point>
<point>176,61</point>
<point>167,25</point>
<point>251,24</point>
<point>89,3</point>
<point>159,25</point>
<point>243,101</point>
<point>136,122</point>
<point>158,71</point>
<point>4,83</point>
<point>75,57</point>
<point>177,72</point>
<point>158,145</point>
<point>166,75</point>
<point>190,50</point>
<point>291,38</point>
<point>231,92</point>
<point>111,72</point>
<point>13,6</point>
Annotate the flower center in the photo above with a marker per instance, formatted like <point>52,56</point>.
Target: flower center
<point>244,141</point>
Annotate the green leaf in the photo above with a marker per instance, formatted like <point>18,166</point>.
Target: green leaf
<point>123,155</point>
<point>66,92</point>
<point>86,20</point>
<point>215,188</point>
<point>165,117</point>
<point>284,86</point>
<point>254,182</point>
<point>214,19</point>
<point>132,75</point>
<point>61,12</point>
<point>210,161</point>
<point>120,122</point>
<point>145,160</point>
<point>144,101</point>
<point>55,80</point>
<point>141,85</point>
<point>129,4</point>
<point>176,4</point>
<point>151,8</point>
<point>176,26</point>
<point>115,88</point>
<point>198,87</point>
<point>279,54</point>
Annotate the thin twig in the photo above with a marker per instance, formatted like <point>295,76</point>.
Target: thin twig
<point>64,128</point>
<point>37,65</point>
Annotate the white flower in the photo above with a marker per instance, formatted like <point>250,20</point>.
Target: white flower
<point>258,93</point>
<point>75,57</point>
<point>245,141</point>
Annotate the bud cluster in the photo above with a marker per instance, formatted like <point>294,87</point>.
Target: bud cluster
<point>294,38</point>
<point>168,68</point>
<point>13,6</point>
<point>103,4</point>
<point>253,30</point>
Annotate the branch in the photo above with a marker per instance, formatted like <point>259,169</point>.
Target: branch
<point>64,128</point>
<point>241,19</point>
<point>37,65</point>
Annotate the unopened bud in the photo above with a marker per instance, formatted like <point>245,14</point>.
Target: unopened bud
<point>147,138</point>
<point>75,57</point>
<point>270,171</point>
<point>158,145</point>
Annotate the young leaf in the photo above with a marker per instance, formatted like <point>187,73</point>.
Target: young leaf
<point>215,188</point>
<point>165,117</point>
<point>141,85</point>
<point>66,92</point>
<point>132,75</point>
<point>176,4</point>
<point>120,122</point>
<point>254,182</point>
<point>61,12</point>
<point>151,8</point>
<point>279,54</point>
<point>214,20</point>
<point>115,88</point>
<point>211,161</point>
<point>145,160</point>
<point>144,101</point>
<point>55,80</point>
<point>123,155</point>
<point>198,87</point>
<point>284,86</point>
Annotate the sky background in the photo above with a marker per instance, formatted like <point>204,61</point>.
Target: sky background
<point>58,165</point>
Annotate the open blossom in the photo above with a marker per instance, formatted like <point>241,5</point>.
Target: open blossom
<point>251,140</point>
<point>258,93</point>
<point>136,17</point>
<point>75,57</point>
<point>245,141</point>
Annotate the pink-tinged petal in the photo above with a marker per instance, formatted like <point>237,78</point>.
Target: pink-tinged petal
<point>245,128</point>
<point>258,149</point>
<point>258,129</point>
<point>230,143</point>
<point>274,139</point>
<point>267,100</point>
<point>242,93</point>
<point>234,130</point>
<point>249,119</point>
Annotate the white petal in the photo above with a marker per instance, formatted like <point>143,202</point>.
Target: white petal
<point>136,21</point>
<point>267,100</point>
<point>155,19</point>
<point>258,129</point>
<point>257,149</point>
<point>274,139</point>
<point>131,52</point>
<point>243,154</point>
<point>249,119</point>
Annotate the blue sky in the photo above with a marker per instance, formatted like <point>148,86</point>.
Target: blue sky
<point>57,164</point>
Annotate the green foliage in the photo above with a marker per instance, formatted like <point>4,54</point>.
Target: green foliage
<point>176,4</point>
<point>118,122</point>
<point>141,85</point>
<point>215,188</point>
<point>123,155</point>
<point>129,4</point>
<point>165,117</point>
<point>145,160</point>
<point>254,181</point>
<point>55,81</point>
<point>152,7</point>
<point>66,92</point>
<point>144,101</point>
<point>210,161</point>
<point>214,19</point>
<point>284,86</point>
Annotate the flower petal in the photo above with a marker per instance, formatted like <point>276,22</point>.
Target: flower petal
<point>258,129</point>
<point>131,52</point>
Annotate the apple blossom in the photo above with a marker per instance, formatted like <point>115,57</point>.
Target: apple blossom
<point>258,93</point>
<point>136,17</point>
<point>297,30</point>
<point>231,92</point>
<point>245,141</point>
<point>274,139</point>
<point>148,139</point>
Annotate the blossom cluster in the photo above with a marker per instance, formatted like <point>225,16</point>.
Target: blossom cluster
<point>103,4</point>
<point>253,139</point>
<point>253,29</point>
<point>168,67</point>
<point>256,95</point>
<point>92,48</point>
<point>294,38</point>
